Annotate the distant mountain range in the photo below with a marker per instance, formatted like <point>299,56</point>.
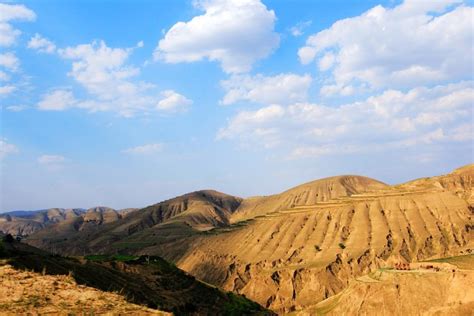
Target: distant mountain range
<point>25,223</point>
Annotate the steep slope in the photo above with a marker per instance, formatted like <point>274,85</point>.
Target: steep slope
<point>149,281</point>
<point>433,288</point>
<point>174,218</point>
<point>310,193</point>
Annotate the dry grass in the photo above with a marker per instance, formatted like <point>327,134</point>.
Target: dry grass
<point>24,292</point>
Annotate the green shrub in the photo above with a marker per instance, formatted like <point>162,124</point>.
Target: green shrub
<point>318,249</point>
<point>342,246</point>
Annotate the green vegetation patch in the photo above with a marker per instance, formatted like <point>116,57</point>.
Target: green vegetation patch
<point>111,257</point>
<point>239,305</point>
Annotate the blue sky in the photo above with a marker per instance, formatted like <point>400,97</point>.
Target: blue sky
<point>126,103</point>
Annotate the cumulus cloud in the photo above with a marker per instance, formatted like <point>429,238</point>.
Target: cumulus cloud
<point>413,44</point>
<point>110,81</point>
<point>41,44</point>
<point>173,102</point>
<point>9,13</point>
<point>235,33</point>
<point>8,36</point>
<point>144,149</point>
<point>101,69</point>
<point>9,61</point>
<point>7,148</point>
<point>390,119</point>
<point>57,100</point>
<point>280,89</point>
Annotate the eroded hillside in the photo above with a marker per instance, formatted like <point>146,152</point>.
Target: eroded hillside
<point>300,247</point>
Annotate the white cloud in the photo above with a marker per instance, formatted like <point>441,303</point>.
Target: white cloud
<point>9,61</point>
<point>144,149</point>
<point>5,90</point>
<point>235,33</point>
<point>8,36</point>
<point>391,119</point>
<point>8,33</point>
<point>415,43</point>
<point>57,100</point>
<point>7,148</point>
<point>41,44</point>
<point>103,71</point>
<point>299,28</point>
<point>16,108</point>
<point>280,89</point>
<point>173,102</point>
<point>4,76</point>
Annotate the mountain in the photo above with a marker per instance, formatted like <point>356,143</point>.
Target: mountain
<point>25,223</point>
<point>148,281</point>
<point>292,250</point>
<point>171,219</point>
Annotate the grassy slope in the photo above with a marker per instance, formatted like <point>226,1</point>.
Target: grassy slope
<point>149,281</point>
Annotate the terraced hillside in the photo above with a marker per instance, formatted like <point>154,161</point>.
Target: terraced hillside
<point>292,250</point>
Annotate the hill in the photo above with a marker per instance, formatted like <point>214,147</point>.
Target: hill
<point>57,221</point>
<point>148,281</point>
<point>436,288</point>
<point>294,249</point>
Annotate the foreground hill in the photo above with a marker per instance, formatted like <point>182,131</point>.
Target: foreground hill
<point>149,281</point>
<point>24,292</point>
<point>292,250</point>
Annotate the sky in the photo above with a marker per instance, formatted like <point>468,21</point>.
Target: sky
<point>127,103</point>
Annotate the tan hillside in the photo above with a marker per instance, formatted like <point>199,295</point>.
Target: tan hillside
<point>25,292</point>
<point>61,221</point>
<point>428,288</point>
<point>309,193</point>
<point>196,211</point>
<point>292,250</point>
<point>460,182</point>
<point>27,223</point>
